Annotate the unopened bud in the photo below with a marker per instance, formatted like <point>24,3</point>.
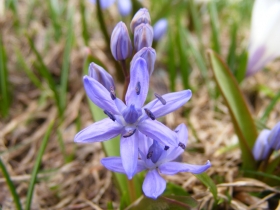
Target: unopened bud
<point>124,7</point>
<point>101,75</point>
<point>121,47</point>
<point>142,16</point>
<point>149,55</point>
<point>160,29</point>
<point>143,36</point>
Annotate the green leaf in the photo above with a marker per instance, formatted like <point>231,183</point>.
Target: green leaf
<point>242,66</point>
<point>171,61</point>
<point>214,25</point>
<point>37,165</point>
<point>270,107</point>
<point>173,189</point>
<point>240,115</point>
<point>164,203</point>
<point>208,182</point>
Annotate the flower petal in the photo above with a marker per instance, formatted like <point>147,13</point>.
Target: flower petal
<point>171,168</point>
<point>99,95</point>
<point>154,185</point>
<point>144,143</point>
<point>274,136</point>
<point>139,84</point>
<point>173,101</point>
<point>262,147</point>
<point>158,131</point>
<point>129,154</point>
<point>99,131</point>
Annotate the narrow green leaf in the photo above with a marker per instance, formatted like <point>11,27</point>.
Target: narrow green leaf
<point>4,88</point>
<point>196,19</point>
<point>208,182</point>
<point>53,10</point>
<point>242,66</point>
<point>37,165</point>
<point>214,25</point>
<point>270,107</point>
<point>171,61</point>
<point>238,109</point>
<point>231,58</point>
<point>84,23</point>
<point>10,185</point>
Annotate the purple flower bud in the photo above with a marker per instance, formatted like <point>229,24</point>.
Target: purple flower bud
<point>143,36</point>
<point>261,147</point>
<point>142,16</point>
<point>124,7</point>
<point>160,29</point>
<point>104,4</point>
<point>102,76</point>
<point>274,137</point>
<point>149,55</point>
<point>121,47</point>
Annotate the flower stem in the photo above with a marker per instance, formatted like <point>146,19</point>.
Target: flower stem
<point>127,78</point>
<point>131,189</point>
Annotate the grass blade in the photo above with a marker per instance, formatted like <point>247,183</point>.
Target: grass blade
<point>37,165</point>
<point>270,107</point>
<point>238,109</point>
<point>208,182</point>
<point>84,23</point>
<point>215,26</point>
<point>171,61</point>
<point>10,185</point>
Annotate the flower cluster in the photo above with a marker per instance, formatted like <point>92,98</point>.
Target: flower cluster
<point>145,142</point>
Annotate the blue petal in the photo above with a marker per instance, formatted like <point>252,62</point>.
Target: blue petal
<point>261,148</point>
<point>274,137</point>
<point>144,144</point>
<point>131,114</point>
<point>171,168</point>
<point>154,185</point>
<point>155,151</point>
<point>129,154</point>
<point>113,164</point>
<point>173,101</point>
<point>158,131</point>
<point>99,95</point>
<point>124,7</point>
<point>139,75</point>
<point>100,131</point>
<point>160,29</point>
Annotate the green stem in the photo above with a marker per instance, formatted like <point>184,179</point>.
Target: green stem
<point>10,185</point>
<point>127,78</point>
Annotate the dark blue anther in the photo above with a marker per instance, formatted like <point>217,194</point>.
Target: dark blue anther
<point>129,133</point>
<point>110,115</point>
<point>150,114</point>
<point>138,88</point>
<point>182,145</point>
<point>159,97</point>
<point>166,148</point>
<point>112,93</point>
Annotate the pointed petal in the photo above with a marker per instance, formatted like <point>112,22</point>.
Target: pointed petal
<point>154,185</point>
<point>144,143</point>
<point>139,84</point>
<point>158,131</point>
<point>171,168</point>
<point>262,147</point>
<point>173,101</point>
<point>274,137</point>
<point>129,154</point>
<point>99,95</point>
<point>99,131</point>
<point>182,132</point>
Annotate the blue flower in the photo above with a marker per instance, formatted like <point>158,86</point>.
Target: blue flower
<point>158,159</point>
<point>131,120</point>
<point>124,6</point>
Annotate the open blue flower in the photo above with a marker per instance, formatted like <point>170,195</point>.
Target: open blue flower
<point>158,159</point>
<point>131,120</point>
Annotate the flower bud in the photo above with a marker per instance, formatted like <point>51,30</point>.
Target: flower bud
<point>149,55</point>
<point>124,7</point>
<point>274,137</point>
<point>104,4</point>
<point>142,16</point>
<point>102,76</point>
<point>121,47</point>
<point>261,147</point>
<point>143,36</point>
<point>160,29</point>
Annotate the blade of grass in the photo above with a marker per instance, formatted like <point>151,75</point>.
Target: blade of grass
<point>270,107</point>
<point>242,66</point>
<point>84,23</point>
<point>4,86</point>
<point>171,61</point>
<point>214,25</point>
<point>37,165</point>
<point>66,63</point>
<point>231,58</point>
<point>208,182</point>
<point>242,120</point>
<point>10,185</point>
<point>53,14</point>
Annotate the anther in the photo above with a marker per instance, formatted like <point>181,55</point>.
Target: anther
<point>129,133</point>
<point>138,88</point>
<point>182,145</point>
<point>112,93</point>
<point>149,155</point>
<point>159,97</point>
<point>110,115</point>
<point>166,148</point>
<point>150,114</point>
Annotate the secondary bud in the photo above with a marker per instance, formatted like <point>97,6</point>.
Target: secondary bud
<point>143,36</point>
<point>149,55</point>
<point>101,75</point>
<point>160,29</point>
<point>142,16</point>
<point>124,7</point>
<point>121,47</point>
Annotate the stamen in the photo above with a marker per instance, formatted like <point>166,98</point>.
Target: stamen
<point>129,133</point>
<point>112,93</point>
<point>150,114</point>
<point>138,88</point>
<point>159,97</point>
<point>166,148</point>
<point>110,115</point>
<point>150,154</point>
<point>182,145</point>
